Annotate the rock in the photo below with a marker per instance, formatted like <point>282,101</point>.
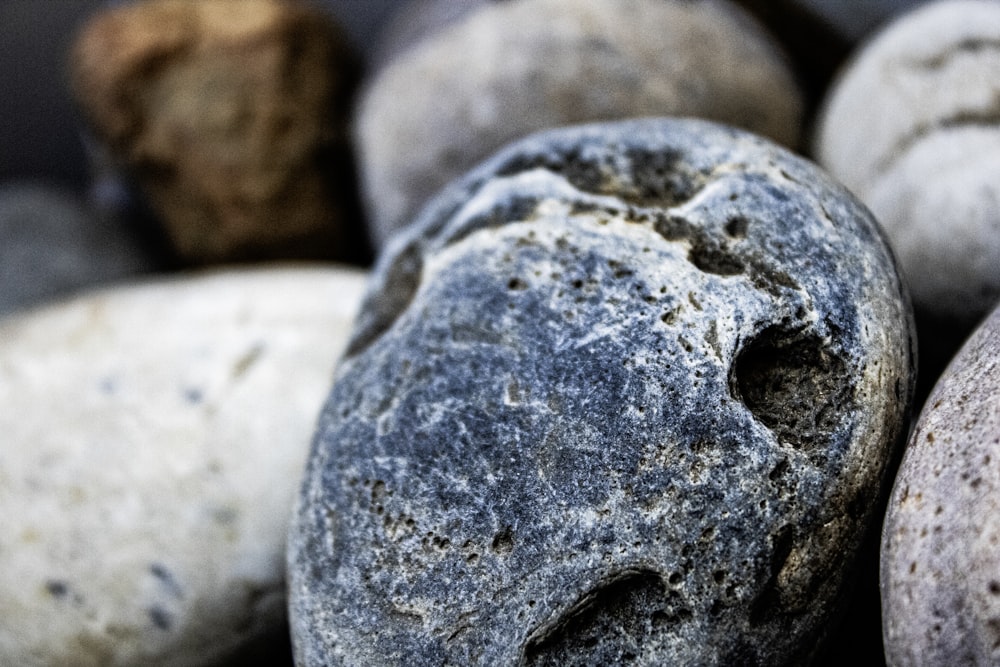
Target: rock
<point>415,21</point>
<point>153,437</point>
<point>627,390</point>
<point>940,561</point>
<point>515,67</point>
<point>232,115</point>
<point>52,246</point>
<point>911,128</point>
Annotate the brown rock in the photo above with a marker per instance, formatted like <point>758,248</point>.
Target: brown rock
<point>232,116</point>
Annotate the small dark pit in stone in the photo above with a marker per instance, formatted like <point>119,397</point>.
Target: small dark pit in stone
<point>737,227</point>
<point>160,618</point>
<point>57,588</point>
<point>396,293</point>
<point>672,228</point>
<point>609,624</point>
<point>712,259</point>
<point>516,284</point>
<point>503,541</point>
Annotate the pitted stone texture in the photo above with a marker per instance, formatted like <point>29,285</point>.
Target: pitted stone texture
<point>51,246</point>
<point>153,438</point>
<point>232,116</point>
<point>941,540</point>
<point>627,391</point>
<point>516,67</point>
<point>912,128</point>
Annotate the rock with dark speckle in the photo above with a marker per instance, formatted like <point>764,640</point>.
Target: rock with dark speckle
<point>627,391</point>
<point>941,541</point>
<point>153,437</point>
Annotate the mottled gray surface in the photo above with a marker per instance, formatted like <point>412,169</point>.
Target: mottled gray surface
<point>52,246</point>
<point>627,391</point>
<point>941,542</point>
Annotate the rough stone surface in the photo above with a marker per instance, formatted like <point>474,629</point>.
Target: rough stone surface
<point>912,129</point>
<point>232,115</point>
<point>627,391</point>
<point>515,67</point>
<point>941,539</point>
<point>52,246</point>
<point>153,438</point>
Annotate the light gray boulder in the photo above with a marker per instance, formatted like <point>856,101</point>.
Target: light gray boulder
<point>911,127</point>
<point>512,68</point>
<point>153,438</point>
<point>940,553</point>
<point>626,391</point>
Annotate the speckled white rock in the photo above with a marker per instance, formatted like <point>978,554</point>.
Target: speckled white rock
<point>941,540</point>
<point>911,127</point>
<point>511,68</point>
<point>152,442</point>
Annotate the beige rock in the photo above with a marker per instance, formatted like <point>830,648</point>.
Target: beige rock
<point>232,114</point>
<point>511,68</point>
<point>153,440</point>
<point>941,539</point>
<point>911,127</point>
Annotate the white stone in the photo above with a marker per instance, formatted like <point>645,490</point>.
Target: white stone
<point>912,127</point>
<point>152,442</point>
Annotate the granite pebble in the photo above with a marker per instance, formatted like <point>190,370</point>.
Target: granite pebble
<point>153,438</point>
<point>625,392</point>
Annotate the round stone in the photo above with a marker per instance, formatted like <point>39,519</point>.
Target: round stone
<point>51,245</point>
<point>911,128</point>
<point>626,391</point>
<point>941,540</point>
<point>153,437</point>
<point>511,68</point>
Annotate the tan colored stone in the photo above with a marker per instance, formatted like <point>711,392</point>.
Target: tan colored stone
<point>153,439</point>
<point>232,114</point>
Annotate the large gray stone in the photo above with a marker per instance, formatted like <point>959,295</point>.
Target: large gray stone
<point>628,390</point>
<point>511,68</point>
<point>940,555</point>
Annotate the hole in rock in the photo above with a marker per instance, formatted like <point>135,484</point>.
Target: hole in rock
<point>380,310</point>
<point>610,624</point>
<point>795,385</point>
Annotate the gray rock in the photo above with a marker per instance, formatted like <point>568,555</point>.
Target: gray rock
<point>627,391</point>
<point>911,128</point>
<point>52,246</point>
<point>153,439</point>
<point>940,560</point>
<point>512,68</point>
